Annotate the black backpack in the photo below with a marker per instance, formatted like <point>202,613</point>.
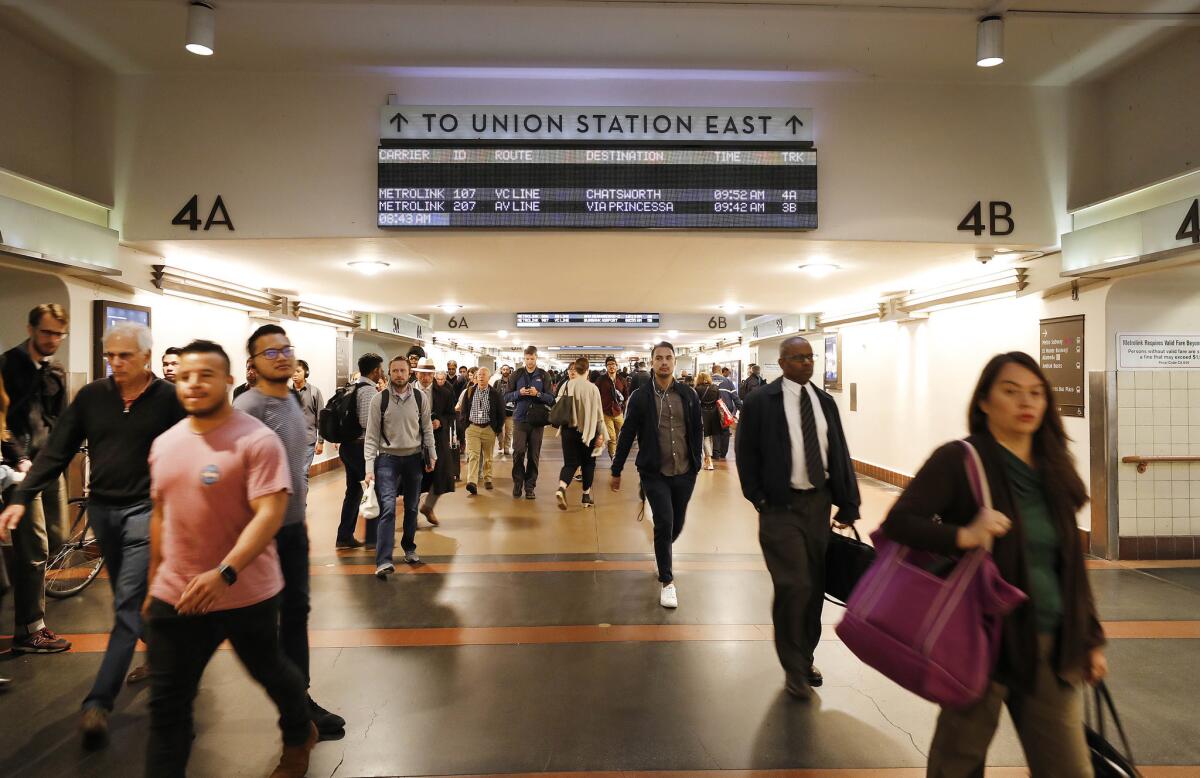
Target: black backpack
<point>338,420</point>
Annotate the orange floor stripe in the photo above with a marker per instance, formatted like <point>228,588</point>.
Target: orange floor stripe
<point>616,633</point>
<point>538,567</point>
<point>1173,771</point>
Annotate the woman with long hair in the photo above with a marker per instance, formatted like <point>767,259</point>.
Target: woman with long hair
<point>710,415</point>
<point>1052,643</point>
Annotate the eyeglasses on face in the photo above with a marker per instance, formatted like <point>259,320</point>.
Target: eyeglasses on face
<point>275,353</point>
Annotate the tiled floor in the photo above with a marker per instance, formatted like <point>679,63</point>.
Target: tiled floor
<point>532,644</point>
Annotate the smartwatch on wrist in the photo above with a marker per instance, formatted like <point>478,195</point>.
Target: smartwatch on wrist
<point>228,573</point>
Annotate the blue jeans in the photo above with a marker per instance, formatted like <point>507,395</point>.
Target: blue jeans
<point>124,537</point>
<point>668,496</point>
<point>397,475</point>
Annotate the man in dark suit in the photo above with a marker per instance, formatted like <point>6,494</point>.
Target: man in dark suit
<point>794,465</point>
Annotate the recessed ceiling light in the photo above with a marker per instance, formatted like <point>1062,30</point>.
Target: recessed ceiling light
<point>730,308</point>
<point>819,269</point>
<point>201,28</point>
<point>369,267</point>
<point>502,334</point>
<point>646,346</point>
<point>989,42</point>
<point>1004,251</point>
<point>450,307</point>
<point>673,334</point>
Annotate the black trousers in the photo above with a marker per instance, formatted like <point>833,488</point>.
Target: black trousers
<point>354,463</point>
<point>180,647</point>
<point>577,455</point>
<point>721,443</point>
<point>292,544</point>
<point>527,452</point>
<point>794,539</point>
<point>668,497</point>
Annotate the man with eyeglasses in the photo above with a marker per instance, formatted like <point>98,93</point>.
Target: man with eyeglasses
<point>37,392</point>
<point>271,402</point>
<point>120,417</point>
<point>793,480</point>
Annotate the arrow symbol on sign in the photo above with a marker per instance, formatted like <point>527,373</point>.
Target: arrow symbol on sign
<point>399,120</point>
<point>794,123</point>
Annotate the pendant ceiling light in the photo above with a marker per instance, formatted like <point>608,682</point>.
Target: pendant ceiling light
<point>989,42</point>
<point>201,28</point>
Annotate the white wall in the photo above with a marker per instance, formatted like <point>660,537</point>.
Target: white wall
<point>21,290</point>
<point>296,154</point>
<point>1150,118</point>
<point>915,379</point>
<point>175,321</point>
<point>36,132</point>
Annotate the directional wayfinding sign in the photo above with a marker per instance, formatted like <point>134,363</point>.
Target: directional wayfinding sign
<point>1062,361</point>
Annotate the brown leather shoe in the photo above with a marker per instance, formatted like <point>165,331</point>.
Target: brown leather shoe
<point>293,763</point>
<point>138,674</point>
<point>428,514</point>
<point>93,725</point>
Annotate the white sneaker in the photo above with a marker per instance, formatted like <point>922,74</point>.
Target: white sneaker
<point>384,570</point>
<point>669,597</point>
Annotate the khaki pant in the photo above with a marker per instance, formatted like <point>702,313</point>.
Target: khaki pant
<point>506,436</point>
<point>1049,722</point>
<point>480,442</point>
<point>613,425</point>
<point>41,532</point>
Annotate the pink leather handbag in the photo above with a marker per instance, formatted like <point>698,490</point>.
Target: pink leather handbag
<point>937,637</point>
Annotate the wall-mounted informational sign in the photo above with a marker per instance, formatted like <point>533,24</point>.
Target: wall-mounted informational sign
<point>597,187</point>
<point>402,324</point>
<point>1062,361</point>
<point>1149,351</point>
<point>547,123</point>
<point>107,314</point>
<point>342,360</point>
<point>588,319</point>
<point>833,362</point>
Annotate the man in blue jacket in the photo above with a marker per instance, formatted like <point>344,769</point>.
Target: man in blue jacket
<point>529,386</point>
<point>794,466</point>
<point>664,417</point>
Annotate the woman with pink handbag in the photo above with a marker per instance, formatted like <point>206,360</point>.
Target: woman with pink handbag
<point>1051,642</point>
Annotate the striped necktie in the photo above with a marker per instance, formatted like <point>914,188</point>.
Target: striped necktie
<point>812,446</point>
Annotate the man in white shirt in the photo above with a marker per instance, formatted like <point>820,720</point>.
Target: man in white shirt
<point>793,481</point>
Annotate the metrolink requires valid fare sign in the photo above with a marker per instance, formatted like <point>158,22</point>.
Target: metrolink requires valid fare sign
<point>1158,350</point>
<point>541,123</point>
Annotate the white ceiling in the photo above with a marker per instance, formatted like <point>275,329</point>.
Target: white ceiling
<point>928,40</point>
<point>611,271</point>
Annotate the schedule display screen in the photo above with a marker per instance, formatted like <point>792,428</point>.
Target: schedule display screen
<point>588,319</point>
<point>597,187</point>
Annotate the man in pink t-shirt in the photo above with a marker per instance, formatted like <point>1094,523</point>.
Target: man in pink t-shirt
<point>219,480</point>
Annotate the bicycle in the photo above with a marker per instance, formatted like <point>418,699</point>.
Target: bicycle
<point>78,561</point>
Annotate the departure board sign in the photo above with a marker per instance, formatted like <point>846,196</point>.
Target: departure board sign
<point>588,319</point>
<point>597,187</point>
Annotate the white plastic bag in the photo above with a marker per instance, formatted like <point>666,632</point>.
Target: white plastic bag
<point>368,506</point>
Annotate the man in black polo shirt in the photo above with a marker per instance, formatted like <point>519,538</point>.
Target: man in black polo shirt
<point>119,417</point>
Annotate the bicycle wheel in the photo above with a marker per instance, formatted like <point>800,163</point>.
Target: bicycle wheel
<point>76,564</point>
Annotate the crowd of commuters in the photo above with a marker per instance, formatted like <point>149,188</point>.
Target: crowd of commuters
<point>199,504</point>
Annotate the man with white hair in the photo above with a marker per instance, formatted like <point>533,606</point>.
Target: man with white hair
<point>119,417</point>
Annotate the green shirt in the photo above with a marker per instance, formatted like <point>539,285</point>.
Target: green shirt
<point>1041,542</point>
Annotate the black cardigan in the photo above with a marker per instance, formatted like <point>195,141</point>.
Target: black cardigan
<point>764,453</point>
<point>939,501</point>
<point>641,422</point>
<point>118,441</point>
